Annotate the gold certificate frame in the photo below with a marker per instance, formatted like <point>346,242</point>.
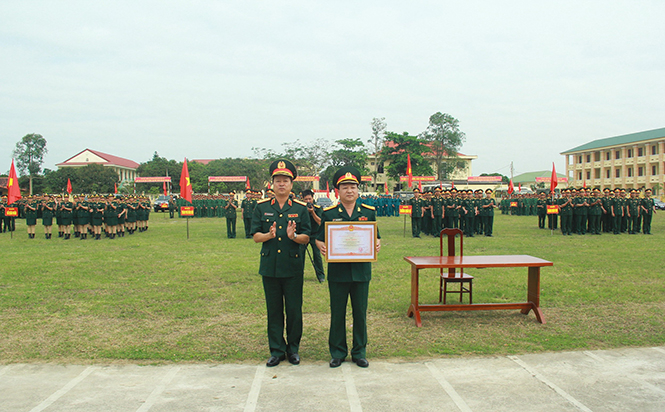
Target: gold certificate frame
<point>348,241</point>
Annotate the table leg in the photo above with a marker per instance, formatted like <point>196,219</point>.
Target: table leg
<point>413,308</point>
<point>533,294</point>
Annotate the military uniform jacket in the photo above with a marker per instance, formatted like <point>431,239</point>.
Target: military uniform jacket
<point>232,212</point>
<point>348,272</point>
<point>280,256</point>
<point>437,206</point>
<point>565,210</point>
<point>648,204</point>
<point>417,207</point>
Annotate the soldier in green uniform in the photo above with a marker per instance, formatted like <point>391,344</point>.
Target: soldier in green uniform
<point>171,210</point>
<point>48,210</point>
<point>438,211</point>
<point>566,212</point>
<point>633,210</point>
<point>347,280</point>
<point>247,206</point>
<point>427,212</point>
<point>488,206</point>
<point>315,213</point>
<point>595,211</point>
<point>66,211</point>
<point>282,225</point>
<point>231,215</point>
<point>83,214</point>
<point>97,217</point>
<point>618,208</point>
<point>541,206</point>
<point>31,207</point>
<point>417,212</point>
<point>648,209</point>
<point>606,217</point>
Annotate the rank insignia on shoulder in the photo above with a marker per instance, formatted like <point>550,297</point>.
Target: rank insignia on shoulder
<point>263,200</point>
<point>369,207</point>
<point>329,208</point>
<point>300,202</point>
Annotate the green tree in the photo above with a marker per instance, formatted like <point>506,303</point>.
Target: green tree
<point>445,139</point>
<point>29,154</point>
<point>159,166</point>
<point>348,152</point>
<point>402,145</point>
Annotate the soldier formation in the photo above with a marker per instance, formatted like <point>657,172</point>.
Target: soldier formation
<point>82,215</point>
<point>472,212</point>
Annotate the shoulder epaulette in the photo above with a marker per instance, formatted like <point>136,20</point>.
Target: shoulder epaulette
<point>369,207</point>
<point>263,200</point>
<point>300,202</point>
<point>317,206</point>
<point>329,208</point>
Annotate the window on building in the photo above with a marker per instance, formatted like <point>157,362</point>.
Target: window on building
<point>654,150</point>
<point>608,155</point>
<point>630,172</point>
<point>629,153</point>
<point>607,174</point>
<point>579,175</point>
<point>640,171</point>
<point>597,174</point>
<point>588,175</point>
<point>379,167</point>
<point>579,159</point>
<point>588,158</point>
<point>596,157</point>
<point>617,154</point>
<point>617,173</point>
<point>654,170</point>
<point>640,152</point>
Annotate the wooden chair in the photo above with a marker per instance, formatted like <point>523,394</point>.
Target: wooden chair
<point>452,276</point>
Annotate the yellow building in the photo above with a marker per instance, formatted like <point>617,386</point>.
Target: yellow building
<point>629,161</point>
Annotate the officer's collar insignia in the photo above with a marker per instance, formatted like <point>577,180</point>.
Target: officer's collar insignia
<point>339,210</point>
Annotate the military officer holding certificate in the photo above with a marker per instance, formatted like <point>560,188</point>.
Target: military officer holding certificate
<point>347,280</point>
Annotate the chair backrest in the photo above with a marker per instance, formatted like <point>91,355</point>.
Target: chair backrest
<point>450,234</point>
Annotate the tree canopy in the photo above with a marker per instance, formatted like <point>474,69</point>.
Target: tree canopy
<point>445,139</point>
<point>29,154</point>
<point>397,154</point>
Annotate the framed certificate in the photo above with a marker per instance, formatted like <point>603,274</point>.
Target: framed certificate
<point>351,241</point>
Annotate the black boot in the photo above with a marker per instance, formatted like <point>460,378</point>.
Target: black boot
<point>97,237</point>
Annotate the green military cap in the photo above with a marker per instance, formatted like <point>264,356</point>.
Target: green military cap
<point>232,192</point>
<point>595,189</point>
<point>283,168</point>
<point>606,190</point>
<point>488,191</point>
<point>438,189</point>
<point>647,190</point>
<point>416,190</point>
<point>346,174</point>
<point>479,191</point>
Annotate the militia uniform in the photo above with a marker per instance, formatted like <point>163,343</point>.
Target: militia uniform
<point>281,266</point>
<point>348,280</point>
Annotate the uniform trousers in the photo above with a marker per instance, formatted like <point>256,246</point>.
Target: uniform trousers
<point>646,224</point>
<point>230,228</point>
<point>416,226</point>
<point>248,227</point>
<point>281,294</point>
<point>339,296</point>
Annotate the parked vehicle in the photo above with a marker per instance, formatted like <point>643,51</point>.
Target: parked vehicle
<point>161,204</point>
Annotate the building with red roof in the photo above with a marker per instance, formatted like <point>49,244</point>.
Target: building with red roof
<point>125,168</point>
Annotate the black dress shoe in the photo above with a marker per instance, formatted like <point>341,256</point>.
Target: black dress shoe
<point>362,362</point>
<point>335,362</point>
<point>274,360</point>
<point>294,358</point>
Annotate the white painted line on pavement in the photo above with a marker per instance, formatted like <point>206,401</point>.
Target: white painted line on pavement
<point>255,390</point>
<point>593,356</point>
<point>547,382</point>
<point>5,369</point>
<point>152,398</point>
<point>57,394</point>
<point>661,350</point>
<point>461,404</point>
<point>351,391</point>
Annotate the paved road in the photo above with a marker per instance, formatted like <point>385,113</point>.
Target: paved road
<point>630,379</point>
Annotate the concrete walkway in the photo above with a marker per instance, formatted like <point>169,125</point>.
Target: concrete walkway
<point>631,379</point>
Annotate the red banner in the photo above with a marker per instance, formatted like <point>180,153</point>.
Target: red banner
<point>404,209</point>
<point>186,210</point>
<point>365,178</point>
<point>483,179</point>
<point>227,179</point>
<point>549,179</point>
<point>307,179</point>
<point>11,211</point>
<point>418,178</point>
<point>552,209</point>
<point>513,204</point>
<point>154,179</point>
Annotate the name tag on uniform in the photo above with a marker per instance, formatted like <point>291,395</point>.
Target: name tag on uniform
<point>268,214</point>
<point>337,220</point>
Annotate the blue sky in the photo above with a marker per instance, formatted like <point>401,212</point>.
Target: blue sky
<point>208,79</point>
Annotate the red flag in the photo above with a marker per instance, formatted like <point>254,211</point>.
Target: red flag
<point>115,188</point>
<point>519,190</point>
<point>336,194</point>
<point>185,183</point>
<point>387,192</point>
<point>553,180</point>
<point>164,188</point>
<point>327,190</point>
<point>13,191</point>
<point>453,184</point>
<point>511,188</point>
<point>584,184</point>
<point>69,186</point>
<point>268,186</point>
<point>247,186</point>
<point>408,169</point>
<point>441,185</point>
<point>420,185</point>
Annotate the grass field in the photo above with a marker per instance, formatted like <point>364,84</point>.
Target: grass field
<point>159,297</point>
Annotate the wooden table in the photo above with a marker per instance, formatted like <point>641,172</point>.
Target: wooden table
<point>445,262</point>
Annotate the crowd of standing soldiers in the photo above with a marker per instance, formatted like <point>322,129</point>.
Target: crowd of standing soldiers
<point>472,212</point>
<point>82,215</point>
